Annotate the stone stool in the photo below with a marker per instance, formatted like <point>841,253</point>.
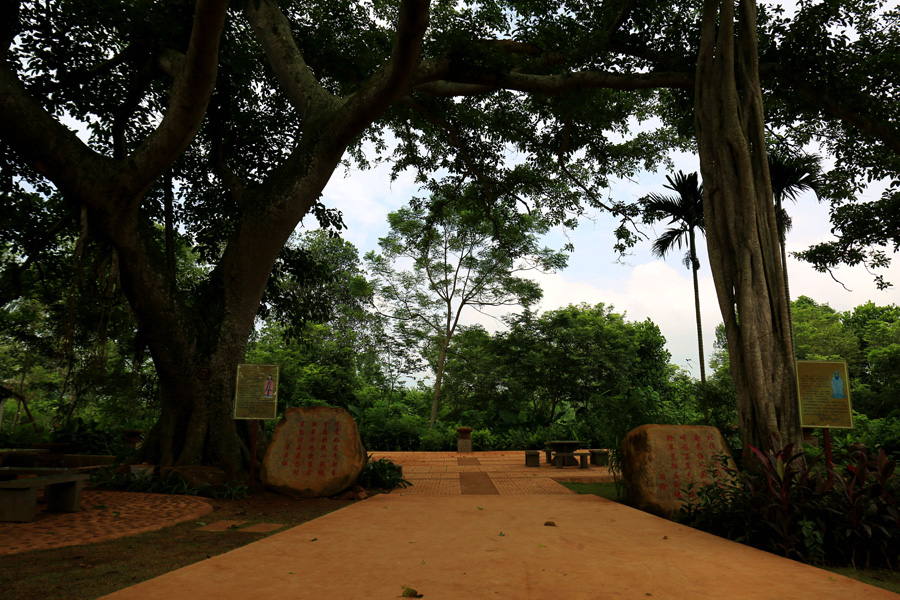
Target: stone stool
<point>532,458</point>
<point>599,457</point>
<point>464,439</point>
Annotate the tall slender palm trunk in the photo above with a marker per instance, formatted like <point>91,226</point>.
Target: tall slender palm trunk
<point>695,266</point>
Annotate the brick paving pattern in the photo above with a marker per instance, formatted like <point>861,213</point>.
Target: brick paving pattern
<point>106,515</point>
<point>103,515</point>
<point>438,473</point>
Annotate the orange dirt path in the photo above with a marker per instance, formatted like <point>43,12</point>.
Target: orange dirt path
<point>466,529</point>
<point>497,547</point>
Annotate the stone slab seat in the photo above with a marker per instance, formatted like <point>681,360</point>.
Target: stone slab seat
<point>18,498</point>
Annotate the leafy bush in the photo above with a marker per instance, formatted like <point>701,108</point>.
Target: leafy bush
<point>382,474</point>
<point>151,484</point>
<point>795,509</point>
<point>23,436</point>
<point>85,437</point>
<point>389,427</point>
<point>440,438</point>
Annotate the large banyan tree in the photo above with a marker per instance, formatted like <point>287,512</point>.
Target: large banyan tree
<point>218,125</point>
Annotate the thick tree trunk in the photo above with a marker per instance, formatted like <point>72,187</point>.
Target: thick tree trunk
<point>196,426</point>
<point>741,232</point>
<point>438,379</point>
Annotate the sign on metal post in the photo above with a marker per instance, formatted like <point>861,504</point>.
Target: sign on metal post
<point>256,392</point>
<point>824,392</point>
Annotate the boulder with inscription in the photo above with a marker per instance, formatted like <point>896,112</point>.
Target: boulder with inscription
<point>659,461</point>
<point>315,452</point>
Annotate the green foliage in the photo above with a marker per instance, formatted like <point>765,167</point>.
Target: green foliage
<point>789,507</point>
<point>111,480</point>
<point>391,427</point>
<point>875,434</point>
<point>85,437</point>
<point>819,332</point>
<point>465,253</point>
<point>382,474</point>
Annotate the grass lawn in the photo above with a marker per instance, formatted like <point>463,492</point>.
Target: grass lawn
<point>604,490</point>
<point>883,578</point>
<point>889,580</point>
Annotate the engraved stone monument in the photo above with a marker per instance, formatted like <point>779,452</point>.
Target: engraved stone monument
<point>659,461</point>
<point>315,452</point>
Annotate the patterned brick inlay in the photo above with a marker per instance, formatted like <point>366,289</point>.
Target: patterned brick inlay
<point>103,515</point>
<point>221,526</point>
<point>262,527</point>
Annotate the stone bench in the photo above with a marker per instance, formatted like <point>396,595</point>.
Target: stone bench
<point>18,497</point>
<point>560,459</point>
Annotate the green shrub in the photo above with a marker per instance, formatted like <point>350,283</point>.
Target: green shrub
<point>389,427</point>
<point>382,474</point>
<point>441,438</point>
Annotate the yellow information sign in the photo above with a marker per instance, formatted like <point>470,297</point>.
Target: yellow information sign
<point>824,391</point>
<point>256,392</point>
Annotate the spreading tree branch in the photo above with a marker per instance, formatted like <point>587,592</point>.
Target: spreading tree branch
<point>195,79</point>
<point>293,73</point>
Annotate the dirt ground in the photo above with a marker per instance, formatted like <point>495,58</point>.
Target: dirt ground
<point>93,570</point>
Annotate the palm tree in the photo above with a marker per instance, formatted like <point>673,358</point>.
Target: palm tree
<point>791,175</point>
<point>685,211</point>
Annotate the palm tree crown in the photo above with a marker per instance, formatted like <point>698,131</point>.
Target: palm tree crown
<point>684,210</point>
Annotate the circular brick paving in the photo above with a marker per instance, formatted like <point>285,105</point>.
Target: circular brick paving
<point>103,515</point>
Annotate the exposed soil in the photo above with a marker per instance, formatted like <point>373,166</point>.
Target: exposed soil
<point>93,570</point>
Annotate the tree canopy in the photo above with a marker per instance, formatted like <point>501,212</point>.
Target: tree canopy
<point>225,122</point>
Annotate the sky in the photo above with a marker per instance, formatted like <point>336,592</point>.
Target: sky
<point>641,286</point>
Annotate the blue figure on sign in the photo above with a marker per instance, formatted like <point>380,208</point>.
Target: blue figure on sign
<point>269,388</point>
<point>837,386</point>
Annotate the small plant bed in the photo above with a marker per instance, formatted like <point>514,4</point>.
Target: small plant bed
<point>790,504</point>
<point>94,570</point>
<point>108,479</point>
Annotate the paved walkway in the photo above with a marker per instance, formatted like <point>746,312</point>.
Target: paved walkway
<point>501,473</point>
<point>546,547</point>
<point>480,526</point>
